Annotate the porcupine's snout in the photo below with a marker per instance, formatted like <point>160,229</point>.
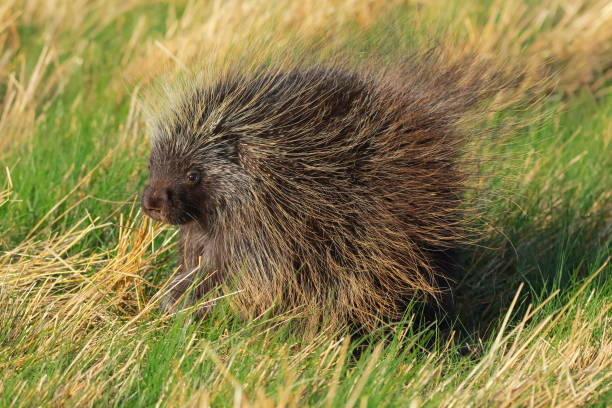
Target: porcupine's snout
<point>157,200</point>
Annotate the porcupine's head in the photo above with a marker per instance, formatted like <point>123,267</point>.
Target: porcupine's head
<point>194,168</point>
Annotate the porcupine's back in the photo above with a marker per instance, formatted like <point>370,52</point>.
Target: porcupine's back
<point>351,200</point>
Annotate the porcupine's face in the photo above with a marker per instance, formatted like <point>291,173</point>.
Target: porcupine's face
<point>192,181</point>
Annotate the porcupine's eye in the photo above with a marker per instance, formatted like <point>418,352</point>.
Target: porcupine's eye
<point>193,177</point>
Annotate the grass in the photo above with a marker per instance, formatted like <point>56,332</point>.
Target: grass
<point>80,267</point>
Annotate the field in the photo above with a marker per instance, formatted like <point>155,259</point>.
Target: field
<point>80,265</point>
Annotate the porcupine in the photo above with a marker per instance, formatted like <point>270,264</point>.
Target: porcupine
<point>317,187</point>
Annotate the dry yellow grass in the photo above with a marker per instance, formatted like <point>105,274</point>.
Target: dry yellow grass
<point>29,91</point>
<point>573,38</point>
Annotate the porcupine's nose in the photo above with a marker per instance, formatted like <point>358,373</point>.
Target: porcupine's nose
<point>156,198</point>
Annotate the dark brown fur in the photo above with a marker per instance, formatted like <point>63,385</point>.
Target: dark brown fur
<point>317,188</point>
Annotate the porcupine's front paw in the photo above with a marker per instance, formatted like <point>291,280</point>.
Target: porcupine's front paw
<point>175,294</point>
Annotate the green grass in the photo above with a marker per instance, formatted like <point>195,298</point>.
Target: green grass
<point>74,326</point>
